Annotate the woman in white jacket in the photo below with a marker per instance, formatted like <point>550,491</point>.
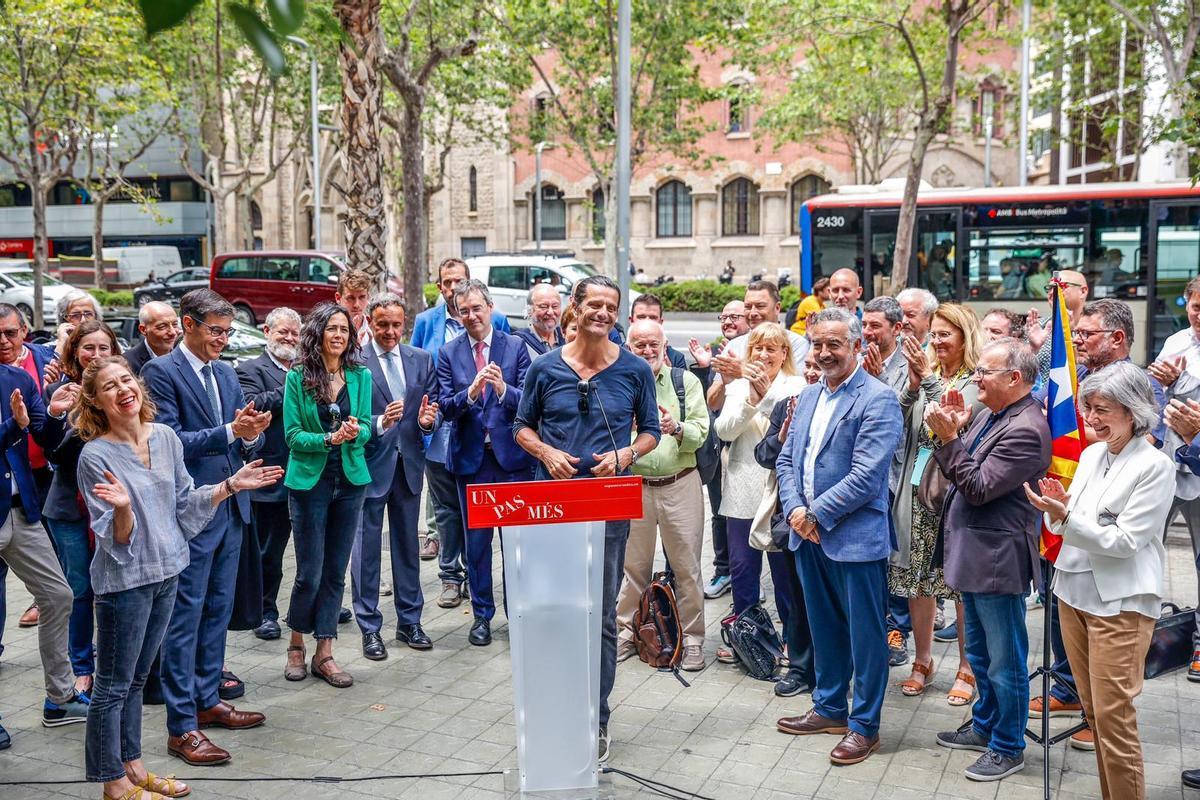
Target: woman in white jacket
<point>1109,573</point>
<point>768,377</point>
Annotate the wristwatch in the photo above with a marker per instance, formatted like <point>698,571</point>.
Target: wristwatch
<point>809,516</point>
<point>633,456</point>
<point>329,440</point>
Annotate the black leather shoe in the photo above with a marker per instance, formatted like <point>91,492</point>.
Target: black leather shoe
<point>373,646</point>
<point>481,633</point>
<point>344,616</point>
<point>414,637</point>
<point>268,631</point>
<point>1191,777</point>
<point>791,684</point>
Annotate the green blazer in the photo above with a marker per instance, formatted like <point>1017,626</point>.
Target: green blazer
<point>306,438</point>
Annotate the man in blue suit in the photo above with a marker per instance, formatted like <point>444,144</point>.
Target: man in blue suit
<point>479,388</point>
<point>432,329</point>
<point>833,487</point>
<point>403,386</point>
<point>199,397</point>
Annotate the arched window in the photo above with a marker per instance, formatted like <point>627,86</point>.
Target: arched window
<point>674,201</point>
<point>554,213</point>
<point>598,222</point>
<point>807,187</point>
<point>739,208</point>
<point>472,190</point>
<point>256,219</point>
<point>738,110</point>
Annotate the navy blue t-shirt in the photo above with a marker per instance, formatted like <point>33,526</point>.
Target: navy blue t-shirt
<point>550,406</point>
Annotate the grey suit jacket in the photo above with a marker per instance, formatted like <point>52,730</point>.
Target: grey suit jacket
<point>990,529</point>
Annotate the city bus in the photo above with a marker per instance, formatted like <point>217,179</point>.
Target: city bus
<point>999,247</point>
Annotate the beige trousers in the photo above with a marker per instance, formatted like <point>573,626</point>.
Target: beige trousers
<point>1108,659</point>
<point>678,512</point>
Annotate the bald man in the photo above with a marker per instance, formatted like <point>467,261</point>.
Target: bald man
<point>159,326</point>
<point>845,289</point>
<point>1075,293</point>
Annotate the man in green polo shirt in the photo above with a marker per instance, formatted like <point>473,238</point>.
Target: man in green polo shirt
<point>672,501</point>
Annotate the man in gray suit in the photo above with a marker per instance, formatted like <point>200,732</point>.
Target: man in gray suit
<point>402,383</point>
<point>990,544</point>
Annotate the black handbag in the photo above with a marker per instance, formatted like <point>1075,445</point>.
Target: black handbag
<point>753,637</point>
<point>1171,644</point>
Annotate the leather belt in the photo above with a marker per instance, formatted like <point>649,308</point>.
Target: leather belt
<point>657,483</point>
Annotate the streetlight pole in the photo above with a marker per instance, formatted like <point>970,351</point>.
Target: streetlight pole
<point>1023,146</point>
<point>623,154</point>
<point>316,138</point>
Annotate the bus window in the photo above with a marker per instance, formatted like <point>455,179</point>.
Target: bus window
<point>1018,263</point>
<point>936,252</point>
<point>1120,240</point>
<point>1177,259</point>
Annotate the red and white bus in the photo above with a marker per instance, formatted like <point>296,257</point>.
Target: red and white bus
<point>997,247</point>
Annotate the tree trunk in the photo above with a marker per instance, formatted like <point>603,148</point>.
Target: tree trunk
<point>41,250</point>
<point>412,181</point>
<point>98,240</point>
<point>366,223</point>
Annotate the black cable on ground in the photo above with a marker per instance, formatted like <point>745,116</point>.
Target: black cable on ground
<point>652,785</point>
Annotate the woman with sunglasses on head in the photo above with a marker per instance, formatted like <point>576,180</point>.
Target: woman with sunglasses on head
<point>144,508</point>
<point>326,423</point>
<point>64,510</point>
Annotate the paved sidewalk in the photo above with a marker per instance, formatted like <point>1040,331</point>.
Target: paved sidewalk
<point>449,711</point>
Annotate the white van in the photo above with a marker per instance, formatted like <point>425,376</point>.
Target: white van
<point>135,264</point>
<point>509,276</point>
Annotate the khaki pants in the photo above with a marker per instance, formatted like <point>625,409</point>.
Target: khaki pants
<point>1108,659</point>
<point>678,511</point>
<point>26,547</point>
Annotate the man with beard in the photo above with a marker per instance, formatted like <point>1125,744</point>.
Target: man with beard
<point>544,311</point>
<point>918,306</point>
<point>261,379</point>
<point>353,291</point>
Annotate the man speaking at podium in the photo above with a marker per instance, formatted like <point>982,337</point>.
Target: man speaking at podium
<point>578,404</point>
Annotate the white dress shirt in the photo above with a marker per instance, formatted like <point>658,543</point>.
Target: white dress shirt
<point>827,403</point>
<point>197,366</point>
<point>382,355</point>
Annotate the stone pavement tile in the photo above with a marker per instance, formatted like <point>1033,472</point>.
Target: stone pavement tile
<point>763,755</point>
<point>773,794</point>
<point>707,746</point>
<point>784,780</point>
<point>500,733</point>
<point>436,743</point>
<point>462,762</point>
<point>955,784</point>
<point>661,738</point>
<point>639,758</point>
<point>748,775</point>
<point>889,792</point>
<point>841,785</point>
<point>699,767</point>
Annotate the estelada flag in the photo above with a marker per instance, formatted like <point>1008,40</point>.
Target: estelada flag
<point>1066,428</point>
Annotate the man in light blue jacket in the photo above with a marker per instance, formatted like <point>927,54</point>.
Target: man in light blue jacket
<point>833,487</point>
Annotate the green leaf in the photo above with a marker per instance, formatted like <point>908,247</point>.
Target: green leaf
<point>163,14</point>
<point>286,15</point>
<point>260,37</point>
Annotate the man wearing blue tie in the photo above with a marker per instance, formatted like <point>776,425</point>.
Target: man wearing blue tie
<point>479,388</point>
<point>403,385</point>
<point>833,487</point>
<point>200,398</point>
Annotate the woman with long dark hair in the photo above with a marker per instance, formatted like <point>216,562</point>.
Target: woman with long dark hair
<point>144,508</point>
<point>64,511</point>
<point>326,394</point>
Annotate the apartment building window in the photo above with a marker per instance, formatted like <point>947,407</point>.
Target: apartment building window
<point>738,110</point>
<point>674,201</point>
<point>472,190</point>
<point>599,226</point>
<point>739,208</point>
<point>554,214</point>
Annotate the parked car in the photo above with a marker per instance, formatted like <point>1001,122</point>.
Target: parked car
<point>172,287</point>
<point>257,281</point>
<point>16,287</point>
<point>509,277</point>
<point>246,342</point>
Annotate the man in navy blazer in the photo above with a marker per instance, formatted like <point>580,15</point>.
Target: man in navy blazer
<point>262,380</point>
<point>199,397</point>
<point>403,412</point>
<point>833,487</point>
<point>479,388</point>
<point>432,329</point>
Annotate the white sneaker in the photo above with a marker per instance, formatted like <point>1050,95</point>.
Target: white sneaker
<point>602,755</point>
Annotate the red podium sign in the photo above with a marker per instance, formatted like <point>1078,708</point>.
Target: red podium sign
<point>491,505</point>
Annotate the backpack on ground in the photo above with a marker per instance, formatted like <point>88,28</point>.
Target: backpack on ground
<point>752,636</point>
<point>657,629</point>
<point>708,454</point>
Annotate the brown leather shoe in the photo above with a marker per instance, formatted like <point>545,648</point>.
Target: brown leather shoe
<point>853,748</point>
<point>30,618</point>
<point>810,722</point>
<point>196,749</point>
<point>429,549</point>
<point>224,715</point>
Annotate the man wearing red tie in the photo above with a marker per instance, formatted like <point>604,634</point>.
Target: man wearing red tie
<point>479,388</point>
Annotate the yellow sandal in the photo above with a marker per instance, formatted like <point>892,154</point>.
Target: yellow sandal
<point>169,786</point>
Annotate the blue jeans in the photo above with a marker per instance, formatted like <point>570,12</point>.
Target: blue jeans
<point>616,534</point>
<point>325,520</point>
<point>75,556</point>
<point>997,646</point>
<point>130,628</point>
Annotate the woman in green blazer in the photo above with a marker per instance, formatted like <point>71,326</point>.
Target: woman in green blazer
<point>325,396</point>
